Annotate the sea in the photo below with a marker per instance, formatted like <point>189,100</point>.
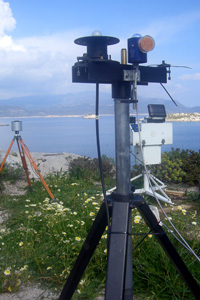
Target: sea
<point>77,135</point>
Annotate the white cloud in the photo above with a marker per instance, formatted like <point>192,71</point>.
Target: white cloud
<point>36,64</point>
<point>45,66</point>
<point>195,76</point>
<point>7,22</point>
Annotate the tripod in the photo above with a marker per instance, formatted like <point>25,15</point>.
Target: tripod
<point>96,67</point>
<point>147,189</point>
<point>22,151</point>
<point>119,282</point>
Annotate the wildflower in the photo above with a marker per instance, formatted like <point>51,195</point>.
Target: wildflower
<point>105,251</point>
<point>194,223</point>
<point>104,236</point>
<point>74,183</point>
<point>94,203</point>
<point>23,268</point>
<point>78,239</point>
<point>3,230</point>
<point>75,213</point>
<point>26,212</point>
<point>66,241</point>
<point>49,268</point>
<point>46,200</point>
<point>82,223</point>
<point>66,209</point>
<point>183,212</point>
<point>136,221</point>
<point>18,282</point>
<point>27,200</point>
<point>7,272</point>
<point>179,207</point>
<point>150,235</point>
<point>82,282</point>
<point>64,233</point>
<point>92,214</point>
<point>21,244</point>
<point>58,190</point>
<point>9,289</point>
<point>194,215</point>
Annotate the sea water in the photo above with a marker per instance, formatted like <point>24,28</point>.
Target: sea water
<point>78,135</point>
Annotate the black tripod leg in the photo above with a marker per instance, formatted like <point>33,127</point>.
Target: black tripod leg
<point>85,254</point>
<point>163,239</point>
<point>117,282</point>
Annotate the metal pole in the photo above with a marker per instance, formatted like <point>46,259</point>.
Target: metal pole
<point>122,146</point>
<point>123,185</point>
<point>119,283</point>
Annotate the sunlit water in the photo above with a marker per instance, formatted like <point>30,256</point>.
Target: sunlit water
<point>78,135</point>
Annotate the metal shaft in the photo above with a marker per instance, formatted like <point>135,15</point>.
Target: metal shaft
<point>122,146</point>
<point>119,283</point>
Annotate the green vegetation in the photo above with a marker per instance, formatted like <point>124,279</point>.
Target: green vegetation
<point>41,238</point>
<point>179,166</point>
<point>11,173</point>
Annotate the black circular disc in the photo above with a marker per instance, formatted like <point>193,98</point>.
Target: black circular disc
<point>87,40</point>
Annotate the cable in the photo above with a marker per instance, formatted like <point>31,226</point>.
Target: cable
<point>99,157</point>
<point>168,93</point>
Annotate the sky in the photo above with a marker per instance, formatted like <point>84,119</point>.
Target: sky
<point>37,47</point>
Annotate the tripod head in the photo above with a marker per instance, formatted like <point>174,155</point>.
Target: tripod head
<point>96,66</point>
<point>16,126</point>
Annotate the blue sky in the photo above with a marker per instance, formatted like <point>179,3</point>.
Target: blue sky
<point>37,47</point>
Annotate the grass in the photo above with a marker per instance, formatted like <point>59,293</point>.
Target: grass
<point>41,240</point>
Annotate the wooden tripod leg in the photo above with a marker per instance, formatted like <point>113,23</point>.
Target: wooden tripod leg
<point>24,163</point>
<point>35,167</point>
<point>8,151</point>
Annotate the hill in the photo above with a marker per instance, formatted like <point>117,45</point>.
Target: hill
<point>79,103</point>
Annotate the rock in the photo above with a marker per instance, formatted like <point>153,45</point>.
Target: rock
<point>46,162</point>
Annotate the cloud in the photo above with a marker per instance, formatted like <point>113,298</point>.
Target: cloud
<point>166,28</point>
<point>44,66</point>
<point>35,65</point>
<point>7,22</point>
<point>195,76</point>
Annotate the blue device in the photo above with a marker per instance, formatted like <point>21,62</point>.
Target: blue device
<point>135,55</point>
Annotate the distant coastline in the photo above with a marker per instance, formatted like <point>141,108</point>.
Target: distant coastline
<point>176,117</point>
<point>53,116</point>
<point>183,117</point>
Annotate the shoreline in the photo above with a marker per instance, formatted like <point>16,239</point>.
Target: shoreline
<point>182,117</point>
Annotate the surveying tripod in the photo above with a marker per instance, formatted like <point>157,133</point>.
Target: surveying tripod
<point>95,67</point>
<point>23,150</point>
